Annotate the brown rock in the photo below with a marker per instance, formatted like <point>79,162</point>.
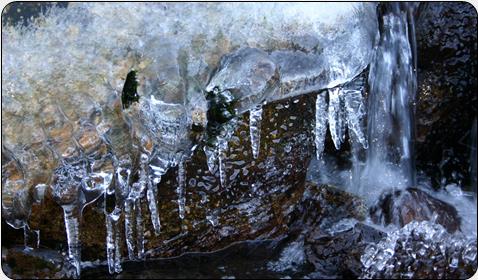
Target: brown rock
<point>401,207</point>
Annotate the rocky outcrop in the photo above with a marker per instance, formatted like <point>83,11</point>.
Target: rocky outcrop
<point>446,36</point>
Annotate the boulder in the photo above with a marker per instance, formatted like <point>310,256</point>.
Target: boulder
<point>400,207</point>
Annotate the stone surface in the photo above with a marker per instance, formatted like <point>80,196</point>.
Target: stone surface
<point>400,207</point>
<point>447,55</point>
<point>338,255</point>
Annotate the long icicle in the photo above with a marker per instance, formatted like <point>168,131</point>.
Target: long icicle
<point>113,252</point>
<point>320,123</point>
<point>335,115</point>
<point>151,185</point>
<point>255,119</point>
<point>139,229</point>
<point>72,224</point>
<point>128,222</point>
<point>153,208</point>
<point>181,188</point>
<point>355,109</point>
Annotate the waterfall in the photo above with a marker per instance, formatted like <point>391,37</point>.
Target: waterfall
<point>392,81</point>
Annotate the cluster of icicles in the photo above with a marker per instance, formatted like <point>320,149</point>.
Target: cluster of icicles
<point>336,108</point>
<point>345,108</point>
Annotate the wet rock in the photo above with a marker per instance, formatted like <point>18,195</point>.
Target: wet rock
<point>400,207</point>
<point>33,263</point>
<point>256,202</point>
<point>334,237</point>
<point>337,254</point>
<point>446,35</point>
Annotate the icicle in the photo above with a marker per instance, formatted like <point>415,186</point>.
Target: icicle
<point>222,147</point>
<point>320,123</point>
<point>151,196</point>
<point>355,109</point>
<point>222,171</point>
<point>113,252</point>
<point>151,185</point>
<point>336,122</point>
<point>181,188</point>
<point>129,216</point>
<point>211,156</point>
<point>110,246</point>
<point>255,119</point>
<point>139,229</point>
<point>117,263</point>
<point>72,226</point>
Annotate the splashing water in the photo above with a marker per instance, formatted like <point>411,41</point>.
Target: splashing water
<point>390,127</point>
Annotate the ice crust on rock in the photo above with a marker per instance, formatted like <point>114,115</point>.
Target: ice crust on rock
<point>62,78</point>
<point>403,253</point>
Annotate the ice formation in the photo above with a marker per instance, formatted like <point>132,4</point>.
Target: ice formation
<point>255,118</point>
<point>321,122</point>
<point>67,124</point>
<point>340,108</point>
<point>418,249</point>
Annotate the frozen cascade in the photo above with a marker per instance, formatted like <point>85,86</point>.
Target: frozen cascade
<point>321,118</point>
<point>181,187</point>
<point>255,119</point>
<point>335,115</point>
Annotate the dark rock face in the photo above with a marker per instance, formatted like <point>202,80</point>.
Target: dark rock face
<point>401,207</point>
<point>334,238</point>
<point>446,34</point>
<point>39,263</point>
<point>338,254</point>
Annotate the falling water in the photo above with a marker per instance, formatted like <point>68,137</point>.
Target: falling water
<point>392,81</point>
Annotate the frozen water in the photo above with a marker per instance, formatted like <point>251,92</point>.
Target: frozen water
<point>181,188</point>
<point>255,119</point>
<point>62,79</point>
<point>336,120</point>
<point>321,119</point>
<point>405,250</point>
<point>355,109</point>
